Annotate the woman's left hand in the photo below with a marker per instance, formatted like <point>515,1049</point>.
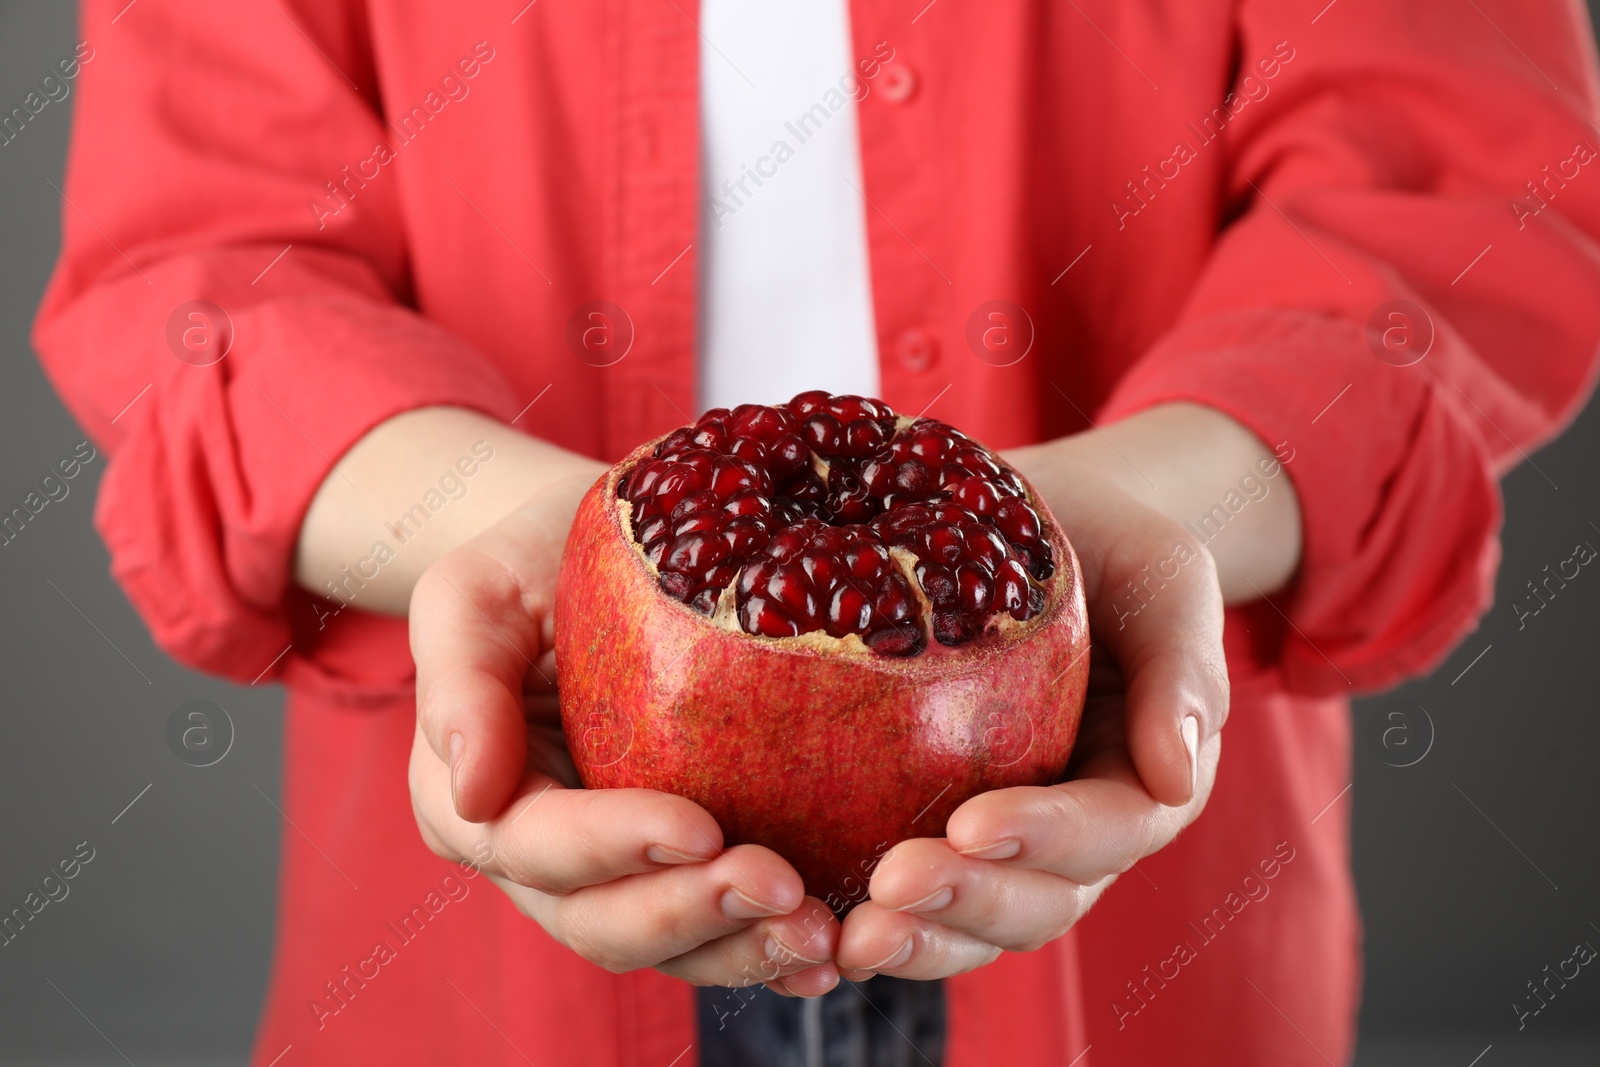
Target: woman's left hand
<point>1019,866</point>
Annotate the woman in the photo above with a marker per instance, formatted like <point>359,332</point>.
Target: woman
<point>1285,290</point>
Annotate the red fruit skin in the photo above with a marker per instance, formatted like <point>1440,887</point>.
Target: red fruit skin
<point>827,758</point>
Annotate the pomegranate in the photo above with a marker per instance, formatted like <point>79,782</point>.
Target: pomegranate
<point>826,623</point>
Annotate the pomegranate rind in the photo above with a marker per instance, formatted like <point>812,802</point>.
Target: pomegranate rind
<point>828,758</point>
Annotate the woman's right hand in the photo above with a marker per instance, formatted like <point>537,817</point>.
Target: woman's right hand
<point>626,878</point>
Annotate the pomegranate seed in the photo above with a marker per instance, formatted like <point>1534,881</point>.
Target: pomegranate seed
<point>913,478</point>
<point>806,403</point>
<point>786,544</point>
<point>674,486</point>
<point>848,407</point>
<point>1036,558</point>
<point>977,495</point>
<point>705,520</point>
<point>749,502</point>
<point>745,536</point>
<point>907,518</point>
<point>728,478</point>
<point>701,459</point>
<point>789,588</point>
<point>705,601</point>
<point>654,530</point>
<point>930,445</point>
<point>712,435</point>
<point>902,640</point>
<point>974,590</point>
<point>676,441</point>
<point>951,473</point>
<point>1017,520</point>
<point>757,574</point>
<point>695,553</point>
<point>894,601</point>
<point>866,561</point>
<point>676,585</point>
<point>749,448</point>
<point>953,514</point>
<point>789,454</point>
<point>849,612</point>
<point>853,506</point>
<point>877,474</point>
<point>823,570</point>
<point>764,424</point>
<point>644,479</point>
<point>943,544</point>
<point>862,437</point>
<point>830,539</point>
<point>759,615</point>
<point>938,582</point>
<point>804,486</point>
<point>699,500</point>
<point>1011,587</point>
<point>823,433</point>
<point>985,544</point>
<point>978,462</point>
<point>951,628</point>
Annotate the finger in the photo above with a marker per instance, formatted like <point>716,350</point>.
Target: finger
<point>764,952</point>
<point>559,840</point>
<point>646,919</point>
<point>1014,908</point>
<point>1166,635</point>
<point>876,940</point>
<point>474,642</point>
<point>1095,826</point>
<point>811,982</point>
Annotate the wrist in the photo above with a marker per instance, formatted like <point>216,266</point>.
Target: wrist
<point>415,488</point>
<point>1201,469</point>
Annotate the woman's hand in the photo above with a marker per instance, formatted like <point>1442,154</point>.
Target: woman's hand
<point>1019,866</point>
<point>627,878</point>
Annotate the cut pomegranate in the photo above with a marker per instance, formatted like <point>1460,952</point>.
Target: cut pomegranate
<point>822,514</point>
<point>826,624</point>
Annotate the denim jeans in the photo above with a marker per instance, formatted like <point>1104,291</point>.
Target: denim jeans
<point>884,1022</point>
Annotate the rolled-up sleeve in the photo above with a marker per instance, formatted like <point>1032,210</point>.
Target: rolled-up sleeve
<point>202,135</point>
<point>1422,183</point>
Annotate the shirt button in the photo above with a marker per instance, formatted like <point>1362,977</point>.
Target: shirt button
<point>898,83</point>
<point>916,349</point>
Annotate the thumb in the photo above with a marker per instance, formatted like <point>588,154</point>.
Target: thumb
<point>475,643</point>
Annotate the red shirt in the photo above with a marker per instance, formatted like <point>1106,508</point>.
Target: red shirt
<point>405,204</point>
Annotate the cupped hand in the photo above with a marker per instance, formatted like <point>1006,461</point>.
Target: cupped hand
<point>1018,867</point>
<point>627,878</point>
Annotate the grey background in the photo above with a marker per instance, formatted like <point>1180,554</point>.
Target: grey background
<point>162,947</point>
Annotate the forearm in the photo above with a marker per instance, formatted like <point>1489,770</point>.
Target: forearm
<point>418,485</point>
<point>1185,461</point>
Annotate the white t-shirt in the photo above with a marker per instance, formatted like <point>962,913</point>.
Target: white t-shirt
<point>785,295</point>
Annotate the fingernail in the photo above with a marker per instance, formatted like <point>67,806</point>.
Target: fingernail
<point>735,905</point>
<point>1003,849</point>
<point>663,854</point>
<point>1191,741</point>
<point>901,955</point>
<point>457,744</point>
<point>776,951</point>
<point>939,898</point>
<point>829,986</point>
